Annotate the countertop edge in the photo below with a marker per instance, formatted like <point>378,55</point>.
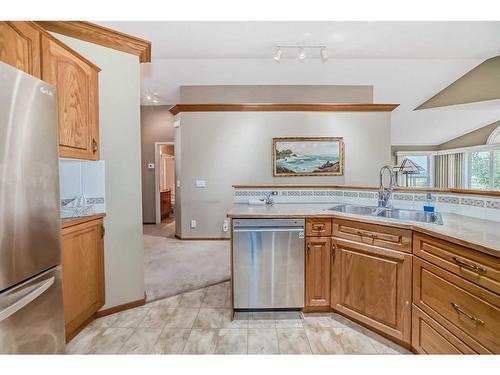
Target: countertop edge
<point>404,225</point>
<point>69,222</point>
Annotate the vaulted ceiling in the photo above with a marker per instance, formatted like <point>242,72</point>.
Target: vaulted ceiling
<point>406,62</point>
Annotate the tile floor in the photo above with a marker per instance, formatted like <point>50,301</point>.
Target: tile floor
<point>199,322</point>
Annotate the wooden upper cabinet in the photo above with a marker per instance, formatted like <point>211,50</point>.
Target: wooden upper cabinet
<point>76,80</point>
<point>373,285</point>
<point>318,250</point>
<point>83,273</point>
<point>20,46</point>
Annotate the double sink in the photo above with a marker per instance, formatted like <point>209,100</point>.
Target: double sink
<point>389,213</point>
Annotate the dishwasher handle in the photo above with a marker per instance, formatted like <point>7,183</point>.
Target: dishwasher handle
<point>268,229</point>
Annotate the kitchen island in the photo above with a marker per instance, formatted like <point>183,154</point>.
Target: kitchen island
<point>432,288</point>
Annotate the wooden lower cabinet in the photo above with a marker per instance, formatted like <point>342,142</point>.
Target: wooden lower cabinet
<point>318,253</point>
<point>83,273</point>
<point>466,310</point>
<point>429,337</point>
<point>373,286</point>
<point>165,204</point>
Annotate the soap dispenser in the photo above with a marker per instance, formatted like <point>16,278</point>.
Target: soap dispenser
<point>429,203</point>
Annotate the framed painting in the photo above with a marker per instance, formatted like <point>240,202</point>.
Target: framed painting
<point>308,156</point>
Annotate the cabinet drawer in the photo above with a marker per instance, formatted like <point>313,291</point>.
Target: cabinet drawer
<point>465,309</point>
<point>373,234</point>
<point>429,337</point>
<point>319,227</point>
<point>472,265</point>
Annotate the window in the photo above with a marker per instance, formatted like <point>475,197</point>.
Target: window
<point>423,179</point>
<point>484,169</point>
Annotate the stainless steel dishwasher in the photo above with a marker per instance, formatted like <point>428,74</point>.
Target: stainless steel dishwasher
<point>268,263</point>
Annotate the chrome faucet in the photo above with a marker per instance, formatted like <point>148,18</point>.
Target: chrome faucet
<point>267,199</point>
<point>385,194</point>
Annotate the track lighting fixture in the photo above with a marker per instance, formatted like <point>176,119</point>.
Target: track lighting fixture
<point>277,55</point>
<point>302,55</point>
<point>323,53</point>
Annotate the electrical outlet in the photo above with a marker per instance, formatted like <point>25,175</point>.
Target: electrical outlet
<point>225,226</point>
<point>193,224</point>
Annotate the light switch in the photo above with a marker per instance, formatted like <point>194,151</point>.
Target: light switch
<point>201,183</point>
<point>193,224</point>
<point>178,183</point>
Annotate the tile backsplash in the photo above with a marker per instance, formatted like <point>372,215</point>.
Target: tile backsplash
<point>83,178</point>
<point>475,206</point>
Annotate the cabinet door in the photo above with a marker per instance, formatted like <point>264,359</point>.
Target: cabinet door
<point>83,273</point>
<point>77,93</point>
<point>373,285</point>
<point>318,271</point>
<point>20,46</point>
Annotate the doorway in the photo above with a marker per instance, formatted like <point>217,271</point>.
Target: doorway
<point>165,185</point>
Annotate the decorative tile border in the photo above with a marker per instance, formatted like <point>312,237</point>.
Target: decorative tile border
<point>95,200</point>
<point>472,202</point>
<point>487,207</point>
<point>447,199</point>
<point>402,197</point>
<point>493,204</point>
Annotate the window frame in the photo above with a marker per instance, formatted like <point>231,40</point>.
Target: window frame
<point>468,168</point>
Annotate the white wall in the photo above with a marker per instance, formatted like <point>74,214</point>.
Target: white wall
<point>226,148</point>
<point>408,82</point>
<point>119,118</point>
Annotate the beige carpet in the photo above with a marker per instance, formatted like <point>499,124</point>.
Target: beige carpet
<point>172,266</point>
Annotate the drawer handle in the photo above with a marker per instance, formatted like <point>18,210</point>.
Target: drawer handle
<point>318,227</point>
<point>308,249</point>
<point>469,265</point>
<point>459,310</point>
<point>94,146</point>
<point>366,234</point>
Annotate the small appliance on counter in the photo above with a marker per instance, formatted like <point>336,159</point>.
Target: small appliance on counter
<point>31,306</point>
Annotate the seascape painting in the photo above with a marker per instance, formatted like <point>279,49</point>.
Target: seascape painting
<point>311,156</point>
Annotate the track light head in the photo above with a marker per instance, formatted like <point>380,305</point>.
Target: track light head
<point>324,54</point>
<point>277,55</point>
<point>302,55</point>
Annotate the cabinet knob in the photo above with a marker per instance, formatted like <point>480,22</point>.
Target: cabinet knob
<point>94,146</point>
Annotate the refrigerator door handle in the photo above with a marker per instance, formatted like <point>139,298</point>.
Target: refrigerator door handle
<point>26,299</point>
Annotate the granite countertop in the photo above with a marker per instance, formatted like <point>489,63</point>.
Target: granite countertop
<point>479,234</point>
<point>70,221</point>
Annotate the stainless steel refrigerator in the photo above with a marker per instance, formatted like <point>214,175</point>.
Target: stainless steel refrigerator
<point>31,309</point>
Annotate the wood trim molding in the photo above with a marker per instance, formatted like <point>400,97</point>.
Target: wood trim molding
<point>125,306</point>
<point>97,34</point>
<point>488,193</point>
<point>283,107</point>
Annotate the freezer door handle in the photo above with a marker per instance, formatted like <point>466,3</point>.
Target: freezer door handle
<point>25,299</point>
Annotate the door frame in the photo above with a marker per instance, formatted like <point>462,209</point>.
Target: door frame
<point>157,179</point>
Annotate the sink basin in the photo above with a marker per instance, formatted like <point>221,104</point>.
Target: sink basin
<point>354,209</point>
<point>389,213</point>
<point>411,215</point>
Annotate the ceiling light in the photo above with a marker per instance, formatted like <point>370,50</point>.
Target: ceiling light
<point>302,55</point>
<point>324,54</point>
<point>148,97</point>
<point>277,55</point>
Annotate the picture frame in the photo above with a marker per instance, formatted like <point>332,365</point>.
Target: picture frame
<point>308,156</point>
